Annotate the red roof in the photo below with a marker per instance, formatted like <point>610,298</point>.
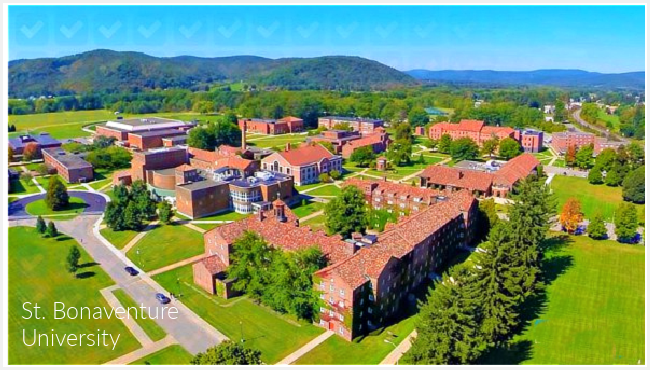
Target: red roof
<point>229,149</point>
<point>516,169</point>
<point>368,140</point>
<point>220,160</point>
<point>306,155</point>
<point>470,125</point>
<point>184,168</point>
<point>496,130</point>
<point>466,179</point>
<point>213,264</point>
<point>290,119</point>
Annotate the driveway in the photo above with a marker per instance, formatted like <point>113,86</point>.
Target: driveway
<point>565,171</point>
<point>188,329</point>
<point>96,203</point>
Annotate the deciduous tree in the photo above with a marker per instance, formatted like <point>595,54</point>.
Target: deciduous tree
<point>571,215</point>
<point>72,260</point>
<point>347,213</point>
<point>584,157</point>
<point>634,186</point>
<point>509,148</point>
<point>595,175</point>
<point>570,156</point>
<point>228,353</point>
<point>362,156</point>
<point>464,148</point>
<point>626,222</point>
<point>596,228</point>
<point>57,195</point>
<point>444,145</point>
<point>41,227</point>
<point>31,151</point>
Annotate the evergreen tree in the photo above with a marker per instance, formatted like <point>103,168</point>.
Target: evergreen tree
<point>634,186</point>
<point>51,230</point>
<point>529,216</point>
<point>228,353</point>
<point>596,228</point>
<point>626,221</point>
<point>347,213</point>
<point>487,218</point>
<point>72,260</point>
<point>41,227</point>
<point>448,324</point>
<point>500,280</point>
<point>57,195</point>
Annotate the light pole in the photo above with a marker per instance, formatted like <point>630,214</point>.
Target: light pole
<point>241,329</point>
<point>394,345</point>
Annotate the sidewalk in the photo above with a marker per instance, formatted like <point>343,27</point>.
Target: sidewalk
<point>184,262</point>
<point>402,348</point>
<point>144,351</point>
<point>306,348</point>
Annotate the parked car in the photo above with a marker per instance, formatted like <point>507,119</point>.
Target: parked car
<point>162,298</point>
<point>131,270</point>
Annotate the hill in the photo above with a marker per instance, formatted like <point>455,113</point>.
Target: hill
<point>571,78</point>
<point>114,71</point>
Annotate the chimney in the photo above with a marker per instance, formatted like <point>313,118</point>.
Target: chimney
<point>383,178</point>
<point>460,175</point>
<point>287,147</point>
<point>260,215</point>
<point>297,223</point>
<point>243,137</point>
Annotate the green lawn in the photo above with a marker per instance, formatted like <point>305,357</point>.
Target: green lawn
<point>560,162</point>
<point>316,222</point>
<point>118,238</point>
<point>273,334</point>
<point>593,198</point>
<point>11,199</point>
<point>228,216</point>
<point>609,121</point>
<point>172,355</point>
<point>100,184</point>
<point>371,350</point>
<point>68,125</point>
<point>301,210</point>
<point>594,314</point>
<point>44,181</point>
<point>327,190</point>
<point>20,187</point>
<point>166,245</point>
<point>39,207</point>
<point>308,186</point>
<point>37,274</point>
<point>277,140</point>
<point>150,327</point>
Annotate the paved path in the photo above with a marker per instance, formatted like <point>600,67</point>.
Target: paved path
<point>306,348</point>
<point>137,238</point>
<point>184,262</point>
<point>40,188</point>
<point>312,216</point>
<point>193,227</point>
<point>549,179</point>
<point>402,348</point>
<point>96,203</point>
<point>188,328</point>
<point>130,323</point>
<point>144,351</point>
<point>565,171</point>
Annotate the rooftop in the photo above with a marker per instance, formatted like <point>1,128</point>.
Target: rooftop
<point>306,154</point>
<point>70,161</point>
<point>361,119</point>
<point>146,121</point>
<point>200,185</point>
<point>43,139</point>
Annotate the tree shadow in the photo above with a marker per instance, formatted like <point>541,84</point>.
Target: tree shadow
<point>62,238</point>
<point>556,243</point>
<point>88,264</point>
<point>73,207</point>
<point>509,354</point>
<point>85,274</point>
<point>555,266</point>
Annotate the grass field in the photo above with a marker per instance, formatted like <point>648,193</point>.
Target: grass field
<point>273,334</point>
<point>100,184</point>
<point>593,198</point>
<point>68,125</point>
<point>308,208</point>
<point>165,245</point>
<point>228,216</point>
<point>153,330</point>
<point>37,274</point>
<point>327,190</point>
<point>172,355</point>
<point>308,186</point>
<point>316,222</point>
<point>44,181</point>
<point>39,207</point>
<point>118,238</point>
<point>609,121</point>
<point>594,314</point>
<point>269,141</point>
<point>371,350</point>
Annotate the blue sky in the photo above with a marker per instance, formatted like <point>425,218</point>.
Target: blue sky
<point>594,38</point>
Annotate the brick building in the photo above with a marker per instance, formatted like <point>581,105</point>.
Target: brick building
<point>43,140</point>
<point>531,140</point>
<point>304,163</point>
<point>71,167</point>
<point>481,184</point>
<point>369,277</point>
<point>378,142</point>
<point>271,126</point>
<point>145,133</point>
<point>561,141</point>
<point>210,161</point>
<point>337,138</point>
<point>143,163</point>
<point>361,125</point>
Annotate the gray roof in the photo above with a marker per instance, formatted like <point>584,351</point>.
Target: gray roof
<point>43,139</point>
<point>199,185</point>
<point>69,161</point>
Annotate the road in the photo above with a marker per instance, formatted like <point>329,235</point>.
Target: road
<point>96,203</point>
<point>188,328</point>
<point>604,131</point>
<point>565,171</point>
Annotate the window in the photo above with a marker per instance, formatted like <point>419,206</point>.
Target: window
<point>331,300</point>
<point>341,317</point>
<point>369,309</point>
<point>322,322</point>
<point>331,313</point>
<point>361,302</point>
<point>322,296</point>
<point>342,292</point>
<point>371,298</point>
<point>331,287</point>
<point>341,330</point>
<point>322,309</point>
<point>322,285</point>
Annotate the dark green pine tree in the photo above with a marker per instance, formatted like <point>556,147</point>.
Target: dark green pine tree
<point>41,227</point>
<point>500,273</point>
<point>448,324</point>
<point>529,218</point>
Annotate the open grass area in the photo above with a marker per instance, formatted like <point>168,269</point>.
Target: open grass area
<point>370,350</point>
<point>593,198</point>
<point>20,187</point>
<point>611,122</point>
<point>100,184</point>
<point>227,216</point>
<point>153,330</point>
<point>316,222</point>
<point>68,125</point>
<point>166,245</point>
<point>11,199</point>
<point>327,190</point>
<point>45,180</point>
<point>269,141</point>
<point>560,162</point>
<point>594,311</point>
<point>39,207</point>
<point>172,355</point>
<point>306,207</point>
<point>273,334</point>
<point>118,238</point>
<point>37,274</point>
<point>308,186</point>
